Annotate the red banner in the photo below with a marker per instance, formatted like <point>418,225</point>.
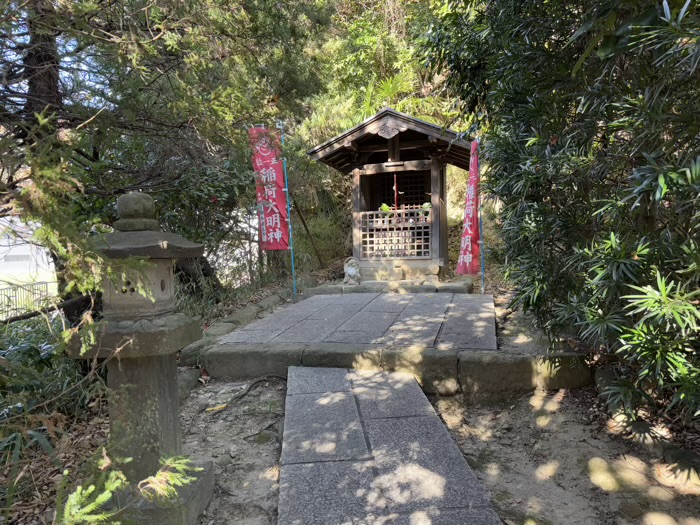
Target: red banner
<point>269,187</point>
<point>468,263</point>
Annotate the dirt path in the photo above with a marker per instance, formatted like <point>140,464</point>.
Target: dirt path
<point>546,459</point>
<point>244,441</point>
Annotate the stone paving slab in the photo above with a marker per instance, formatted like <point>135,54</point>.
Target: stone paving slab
<point>418,464</point>
<point>411,474</point>
<point>361,338</point>
<point>389,303</point>
<point>373,322</point>
<point>309,331</point>
<point>378,403</point>
<point>336,312</point>
<point>322,427</point>
<point>253,336</point>
<point>449,517</point>
<point>305,380</point>
<point>279,322</point>
<point>331,493</point>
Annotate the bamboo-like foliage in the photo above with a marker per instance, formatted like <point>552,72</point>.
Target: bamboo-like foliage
<point>589,113</point>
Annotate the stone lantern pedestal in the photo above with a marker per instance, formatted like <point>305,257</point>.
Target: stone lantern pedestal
<point>141,334</point>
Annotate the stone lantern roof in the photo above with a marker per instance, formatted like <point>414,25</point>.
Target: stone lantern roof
<point>138,233</point>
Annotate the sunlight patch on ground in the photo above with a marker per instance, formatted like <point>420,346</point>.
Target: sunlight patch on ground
<point>492,470</point>
<point>416,484</point>
<point>601,475</point>
<point>547,470</point>
<point>661,518</point>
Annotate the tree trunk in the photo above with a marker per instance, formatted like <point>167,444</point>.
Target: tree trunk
<point>198,275</point>
<point>41,60</point>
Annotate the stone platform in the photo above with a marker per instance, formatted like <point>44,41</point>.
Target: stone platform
<point>447,341</point>
<point>367,448</point>
<point>442,321</point>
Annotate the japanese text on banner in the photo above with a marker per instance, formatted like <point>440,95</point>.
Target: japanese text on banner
<point>468,263</point>
<point>269,189</point>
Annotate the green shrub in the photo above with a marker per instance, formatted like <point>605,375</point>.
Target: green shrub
<point>592,143</point>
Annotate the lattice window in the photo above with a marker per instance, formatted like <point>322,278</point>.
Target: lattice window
<point>413,188</point>
<point>395,235</point>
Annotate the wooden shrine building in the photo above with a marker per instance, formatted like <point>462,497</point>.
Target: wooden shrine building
<point>397,163</point>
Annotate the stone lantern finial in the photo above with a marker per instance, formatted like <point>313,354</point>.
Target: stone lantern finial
<point>137,212</point>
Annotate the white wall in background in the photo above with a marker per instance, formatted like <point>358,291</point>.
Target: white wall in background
<point>21,261</point>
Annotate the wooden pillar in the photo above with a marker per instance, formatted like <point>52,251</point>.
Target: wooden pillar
<point>444,255</point>
<point>394,154</point>
<point>436,204</point>
<point>356,208</point>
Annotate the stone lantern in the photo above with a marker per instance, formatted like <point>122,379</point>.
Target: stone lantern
<point>141,335</point>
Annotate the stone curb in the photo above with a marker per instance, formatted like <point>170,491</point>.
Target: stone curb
<point>187,379</point>
<point>401,287</point>
<point>482,375</point>
<point>489,376</point>
<point>193,354</point>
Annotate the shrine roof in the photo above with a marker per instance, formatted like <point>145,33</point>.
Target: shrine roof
<point>341,152</point>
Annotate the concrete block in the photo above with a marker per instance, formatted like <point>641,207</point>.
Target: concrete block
<point>187,379</point>
<point>322,427</point>
<point>458,287</point>
<point>327,493</point>
<point>325,289</point>
<point>417,288</point>
<point>269,302</point>
<point>139,338</point>
<point>244,361</point>
<point>494,376</point>
<point>192,500</point>
<point>420,271</point>
<point>243,316</point>
<point>563,370</point>
<point>375,287</point>
<point>219,329</point>
<point>144,423</point>
<point>435,370</point>
<point>433,474</point>
<point>305,380</point>
<point>381,273</point>
<point>193,354</point>
<point>342,355</point>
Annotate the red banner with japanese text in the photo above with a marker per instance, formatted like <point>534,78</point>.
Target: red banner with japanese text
<point>468,263</point>
<point>270,189</point>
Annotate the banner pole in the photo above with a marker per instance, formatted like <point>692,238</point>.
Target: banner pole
<point>280,125</point>
<point>481,231</point>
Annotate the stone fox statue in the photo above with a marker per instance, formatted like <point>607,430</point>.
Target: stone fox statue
<point>352,271</point>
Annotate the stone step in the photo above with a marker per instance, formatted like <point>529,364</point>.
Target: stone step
<point>447,341</point>
<point>405,286</point>
<point>366,447</point>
